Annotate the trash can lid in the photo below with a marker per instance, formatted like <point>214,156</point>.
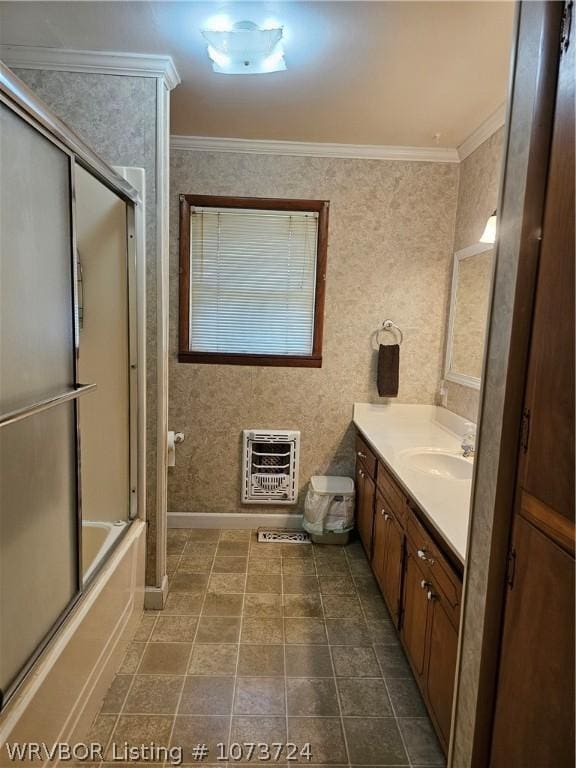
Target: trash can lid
<point>330,484</point>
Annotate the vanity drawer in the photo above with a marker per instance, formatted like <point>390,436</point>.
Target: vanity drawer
<point>436,566</point>
<point>365,455</point>
<point>391,492</point>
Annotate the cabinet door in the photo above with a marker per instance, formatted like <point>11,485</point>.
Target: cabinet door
<point>441,665</point>
<point>547,467</point>
<point>388,555</point>
<point>379,540</point>
<point>415,613</point>
<point>392,577</point>
<point>534,723</point>
<point>365,508</point>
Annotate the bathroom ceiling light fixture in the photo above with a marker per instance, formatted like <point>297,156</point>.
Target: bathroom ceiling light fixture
<point>489,234</point>
<point>245,49</point>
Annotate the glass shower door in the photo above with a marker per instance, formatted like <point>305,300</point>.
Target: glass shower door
<point>104,357</point>
<point>39,501</point>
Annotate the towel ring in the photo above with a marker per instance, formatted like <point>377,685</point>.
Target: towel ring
<point>390,327</point>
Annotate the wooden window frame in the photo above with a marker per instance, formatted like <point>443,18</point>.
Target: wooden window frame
<point>185,354</point>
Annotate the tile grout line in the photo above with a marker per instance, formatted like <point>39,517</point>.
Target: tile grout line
<point>188,660</point>
<point>134,674</point>
<point>338,699</point>
<point>128,691</point>
<point>284,641</point>
<point>383,676</point>
<point>238,639</point>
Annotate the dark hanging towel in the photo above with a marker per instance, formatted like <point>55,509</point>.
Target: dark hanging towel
<point>388,365</point>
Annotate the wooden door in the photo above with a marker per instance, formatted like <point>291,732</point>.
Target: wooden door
<point>441,664</point>
<point>414,612</point>
<point>365,491</point>
<point>534,719</point>
<point>534,710</point>
<point>547,462</point>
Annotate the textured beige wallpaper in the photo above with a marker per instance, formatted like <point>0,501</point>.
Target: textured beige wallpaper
<point>389,255</point>
<point>477,199</point>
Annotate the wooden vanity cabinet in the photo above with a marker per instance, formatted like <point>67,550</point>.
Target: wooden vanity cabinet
<point>430,638</point>
<point>365,493</point>
<point>430,623</point>
<point>421,585</point>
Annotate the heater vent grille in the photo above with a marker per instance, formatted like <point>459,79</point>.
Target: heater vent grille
<point>270,466</point>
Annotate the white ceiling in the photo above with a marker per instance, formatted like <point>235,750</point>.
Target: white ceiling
<point>358,72</point>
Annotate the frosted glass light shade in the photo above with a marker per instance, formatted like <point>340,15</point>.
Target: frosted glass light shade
<point>489,234</point>
<point>245,49</point>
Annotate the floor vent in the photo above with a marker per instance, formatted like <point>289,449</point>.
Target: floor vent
<point>285,536</point>
<point>270,466</point>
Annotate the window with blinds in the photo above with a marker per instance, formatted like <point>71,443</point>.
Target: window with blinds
<point>252,277</point>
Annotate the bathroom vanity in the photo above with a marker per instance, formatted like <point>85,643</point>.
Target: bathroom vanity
<point>413,499</point>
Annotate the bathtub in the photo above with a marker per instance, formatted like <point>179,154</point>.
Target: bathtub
<point>64,691</point>
<point>97,540</point>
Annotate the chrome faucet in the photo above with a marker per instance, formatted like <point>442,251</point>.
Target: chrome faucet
<point>469,441</point>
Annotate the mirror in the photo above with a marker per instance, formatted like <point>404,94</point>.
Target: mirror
<point>469,306</point>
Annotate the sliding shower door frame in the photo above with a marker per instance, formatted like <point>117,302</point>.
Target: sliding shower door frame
<point>23,103</point>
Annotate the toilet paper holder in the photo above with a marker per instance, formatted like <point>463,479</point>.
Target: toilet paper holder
<point>174,438</point>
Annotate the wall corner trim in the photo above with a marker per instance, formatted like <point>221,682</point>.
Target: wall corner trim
<point>93,62</point>
<point>314,149</point>
<point>486,129</point>
<point>155,597</point>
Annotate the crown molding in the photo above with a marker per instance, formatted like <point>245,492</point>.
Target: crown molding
<point>94,62</point>
<point>483,132</point>
<point>314,149</point>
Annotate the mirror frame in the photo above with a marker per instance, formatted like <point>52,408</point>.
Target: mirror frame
<point>449,374</point>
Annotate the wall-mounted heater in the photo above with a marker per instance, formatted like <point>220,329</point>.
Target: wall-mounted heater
<point>270,466</point>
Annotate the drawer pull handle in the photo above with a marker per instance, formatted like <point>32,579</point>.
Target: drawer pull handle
<point>425,584</point>
<point>431,596</point>
<point>386,515</point>
<point>361,473</point>
<point>423,555</point>
<point>361,455</point>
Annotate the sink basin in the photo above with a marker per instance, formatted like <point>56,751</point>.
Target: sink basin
<point>438,463</point>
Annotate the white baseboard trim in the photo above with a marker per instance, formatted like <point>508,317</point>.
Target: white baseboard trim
<point>155,597</point>
<point>233,520</point>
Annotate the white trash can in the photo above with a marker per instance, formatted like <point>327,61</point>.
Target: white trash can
<point>329,509</point>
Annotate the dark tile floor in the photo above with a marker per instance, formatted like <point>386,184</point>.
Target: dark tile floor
<point>269,643</point>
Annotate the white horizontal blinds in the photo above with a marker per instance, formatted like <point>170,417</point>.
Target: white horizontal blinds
<point>253,280</point>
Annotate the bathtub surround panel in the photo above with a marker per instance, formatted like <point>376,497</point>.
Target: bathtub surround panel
<point>118,116</point>
<point>389,250</point>
<point>477,199</point>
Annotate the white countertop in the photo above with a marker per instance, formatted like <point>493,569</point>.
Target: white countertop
<point>390,429</point>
